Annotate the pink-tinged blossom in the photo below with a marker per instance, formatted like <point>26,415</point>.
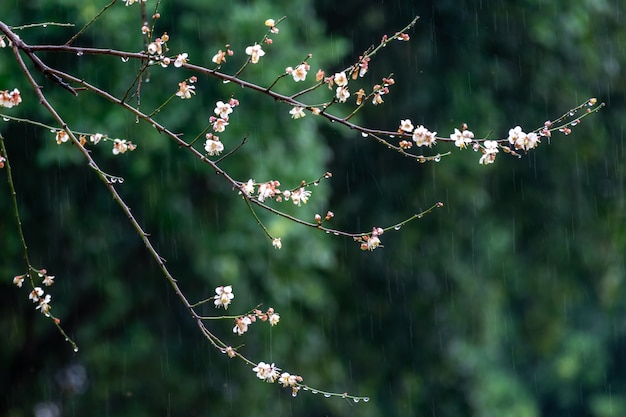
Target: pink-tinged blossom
<point>424,137</point>
<point>255,52</point>
<point>180,60</point>
<point>223,297</point>
<point>223,109</point>
<point>266,372</point>
<point>241,325</point>
<point>489,153</point>
<point>213,146</point>
<point>341,79</point>
<point>406,126</point>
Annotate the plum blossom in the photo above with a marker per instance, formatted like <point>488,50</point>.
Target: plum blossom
<point>274,318</point>
<point>48,280</point>
<point>185,91</point>
<point>35,294</point>
<point>297,112</point>
<point>462,139</point>
<point>181,59</point>
<point>406,125</point>
<point>96,138</point>
<point>299,196</point>
<point>224,296</point>
<point>342,94</point>
<point>44,305</point>
<point>213,146</point>
<point>423,136</point>
<point>10,99</point>
<point>241,325</point>
<point>121,146</point>
<point>490,151</point>
<point>299,74</point>
<point>18,280</point>
<point>255,51</point>
<point>341,79</point>
<point>248,188</point>
<point>372,241</point>
<point>219,57</point>
<point>223,109</point>
<point>62,136</point>
<point>219,125</point>
<point>522,140</point>
<point>266,371</point>
<point>278,245</point>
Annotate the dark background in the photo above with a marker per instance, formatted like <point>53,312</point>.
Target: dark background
<point>507,301</point>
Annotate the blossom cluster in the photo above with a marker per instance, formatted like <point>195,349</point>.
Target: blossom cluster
<point>524,141</point>
<point>120,146</point>
<point>10,99</point>
<point>270,190</point>
<point>158,47</point>
<point>371,241</point>
<point>37,295</point>
<point>213,145</point>
<point>129,2</point>
<point>186,90</point>
<point>242,323</point>
<point>270,373</point>
<point>220,56</point>
<point>420,135</point>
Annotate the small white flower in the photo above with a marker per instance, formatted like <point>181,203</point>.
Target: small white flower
<point>422,136</point>
<point>223,109</point>
<point>35,294</point>
<point>342,94</point>
<point>300,196</point>
<point>248,188</point>
<point>224,296</point>
<point>341,79</point>
<point>241,325</point>
<point>274,319</point>
<point>180,60</point>
<point>489,155</point>
<point>299,74</point>
<point>266,372</point>
<point>277,243</point>
<point>297,112</point>
<point>406,125</point>
<point>96,138</point>
<point>255,52</point>
<point>18,280</point>
<point>462,139</point>
<point>44,305</point>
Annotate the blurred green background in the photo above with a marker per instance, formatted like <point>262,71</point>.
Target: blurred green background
<point>507,301</point>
